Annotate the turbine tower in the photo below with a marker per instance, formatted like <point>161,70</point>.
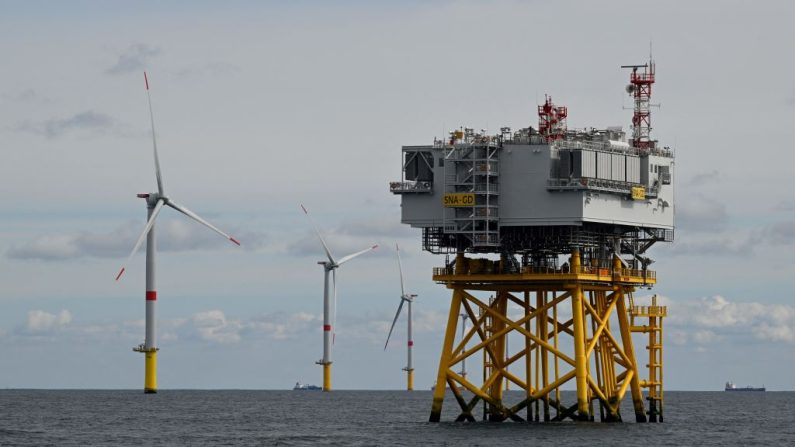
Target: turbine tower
<point>154,203</point>
<point>329,317</point>
<point>404,298</point>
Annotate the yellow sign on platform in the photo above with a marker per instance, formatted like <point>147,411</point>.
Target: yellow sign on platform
<point>638,193</point>
<point>459,199</point>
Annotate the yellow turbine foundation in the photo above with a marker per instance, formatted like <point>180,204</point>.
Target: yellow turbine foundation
<point>584,349</point>
<point>410,378</point>
<point>150,372</point>
<point>327,377</point>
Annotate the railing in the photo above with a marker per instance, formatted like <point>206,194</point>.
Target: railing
<point>486,168</point>
<point>605,146</point>
<point>405,187</point>
<point>491,211</point>
<point>481,239</point>
<point>597,184</point>
<point>483,188</point>
<point>439,271</point>
<point>648,311</point>
<point>565,270</point>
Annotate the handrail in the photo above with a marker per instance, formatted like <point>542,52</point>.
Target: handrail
<point>584,270</point>
<point>410,186</point>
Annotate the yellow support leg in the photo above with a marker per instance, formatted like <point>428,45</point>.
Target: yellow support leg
<point>581,364</point>
<point>444,361</point>
<point>327,377</point>
<point>150,372</point>
<point>629,350</point>
<point>410,386</point>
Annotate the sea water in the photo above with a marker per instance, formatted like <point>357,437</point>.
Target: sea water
<point>364,418</point>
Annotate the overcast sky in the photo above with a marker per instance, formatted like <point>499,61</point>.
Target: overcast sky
<point>262,106</point>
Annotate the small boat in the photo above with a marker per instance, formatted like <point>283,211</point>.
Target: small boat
<point>732,387</point>
<point>304,387</point>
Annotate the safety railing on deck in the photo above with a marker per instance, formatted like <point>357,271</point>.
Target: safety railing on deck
<point>648,311</point>
<point>531,270</point>
<point>402,187</point>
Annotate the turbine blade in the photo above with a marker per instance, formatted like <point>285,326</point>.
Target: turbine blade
<point>400,268</point>
<point>141,238</point>
<point>314,225</point>
<point>397,314</point>
<point>154,139</point>
<point>351,256</point>
<point>196,217</point>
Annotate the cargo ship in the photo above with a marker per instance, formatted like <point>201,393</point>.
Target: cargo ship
<point>304,387</point>
<point>732,387</point>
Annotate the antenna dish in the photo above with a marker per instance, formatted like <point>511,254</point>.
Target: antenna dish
<point>630,89</point>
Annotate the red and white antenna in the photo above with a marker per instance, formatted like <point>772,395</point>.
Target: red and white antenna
<point>640,89</point>
<point>552,120</point>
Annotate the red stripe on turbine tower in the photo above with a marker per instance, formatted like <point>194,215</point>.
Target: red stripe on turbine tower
<point>326,327</point>
<point>411,343</point>
<point>151,295</point>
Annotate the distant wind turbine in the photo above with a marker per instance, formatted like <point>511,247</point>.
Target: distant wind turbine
<point>154,203</point>
<point>404,298</point>
<point>329,317</point>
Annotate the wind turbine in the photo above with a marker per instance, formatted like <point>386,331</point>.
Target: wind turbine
<point>404,298</point>
<point>329,318</point>
<point>154,203</point>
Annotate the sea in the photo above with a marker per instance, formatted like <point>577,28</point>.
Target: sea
<point>367,418</point>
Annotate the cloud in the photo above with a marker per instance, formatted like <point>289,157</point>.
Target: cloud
<point>280,326</point>
<point>727,246</point>
<point>781,233</point>
<point>212,69</point>
<point>40,321</point>
<point>89,122</point>
<point>133,59</point>
<point>704,178</point>
<point>790,101</point>
<point>785,205</point>
<point>213,326</point>
<point>350,237</point>
<point>42,325</point>
<point>699,213</point>
<point>173,235</point>
<point>778,234</point>
<point>25,96</point>
<point>710,319</point>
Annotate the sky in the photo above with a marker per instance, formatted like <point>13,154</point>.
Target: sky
<point>263,106</point>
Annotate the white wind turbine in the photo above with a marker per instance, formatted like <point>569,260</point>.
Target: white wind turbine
<point>404,298</point>
<point>154,203</point>
<point>329,317</point>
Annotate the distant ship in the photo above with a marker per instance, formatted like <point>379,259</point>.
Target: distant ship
<point>303,387</point>
<point>732,387</point>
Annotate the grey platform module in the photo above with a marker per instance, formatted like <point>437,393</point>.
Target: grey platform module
<point>540,195</point>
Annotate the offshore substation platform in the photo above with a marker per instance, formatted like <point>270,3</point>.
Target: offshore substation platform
<point>546,233</point>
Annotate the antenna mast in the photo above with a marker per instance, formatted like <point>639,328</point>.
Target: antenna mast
<point>552,120</point>
<point>640,89</point>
